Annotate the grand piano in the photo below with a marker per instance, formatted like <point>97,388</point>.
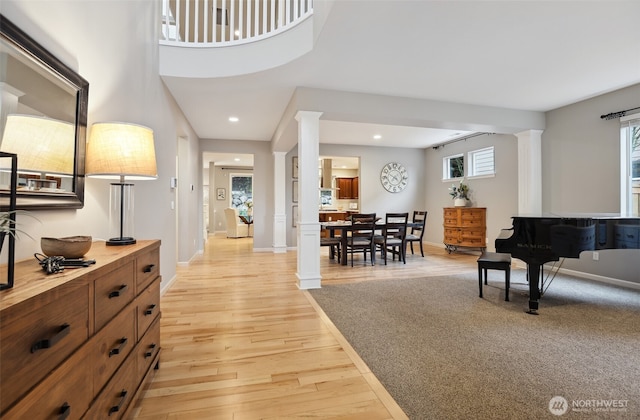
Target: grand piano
<point>537,240</point>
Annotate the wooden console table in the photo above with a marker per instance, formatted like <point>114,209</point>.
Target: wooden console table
<point>81,343</point>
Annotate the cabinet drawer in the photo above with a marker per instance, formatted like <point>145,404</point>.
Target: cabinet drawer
<point>112,345</point>
<point>148,307</point>
<point>450,221</point>
<point>113,292</point>
<point>37,335</point>
<point>451,213</point>
<point>451,235</point>
<point>148,268</point>
<point>472,220</point>
<point>68,391</point>
<point>148,348</point>
<point>116,396</point>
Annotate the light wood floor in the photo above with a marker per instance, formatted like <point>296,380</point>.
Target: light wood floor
<point>241,341</point>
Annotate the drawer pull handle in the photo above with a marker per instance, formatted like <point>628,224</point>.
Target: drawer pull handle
<point>65,410</point>
<point>116,408</point>
<point>117,293</point>
<point>150,352</point>
<point>50,342</point>
<point>148,268</point>
<point>117,350</point>
<point>150,309</point>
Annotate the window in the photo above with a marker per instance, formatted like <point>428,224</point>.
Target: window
<point>242,192</point>
<point>630,165</point>
<point>453,167</point>
<point>481,162</point>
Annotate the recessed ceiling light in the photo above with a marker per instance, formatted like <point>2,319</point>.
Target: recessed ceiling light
<point>234,119</point>
<point>377,136</point>
<point>237,159</point>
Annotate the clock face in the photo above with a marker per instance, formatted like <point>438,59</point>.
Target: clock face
<point>394,177</point>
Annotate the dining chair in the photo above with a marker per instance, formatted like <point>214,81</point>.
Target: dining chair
<point>417,231</point>
<point>361,239</point>
<point>393,237</point>
<point>334,243</point>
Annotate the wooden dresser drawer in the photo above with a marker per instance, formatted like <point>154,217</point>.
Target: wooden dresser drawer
<point>148,348</point>
<point>113,292</point>
<point>451,213</point>
<point>472,219</point>
<point>37,335</point>
<point>66,393</point>
<point>148,268</point>
<point>116,395</point>
<point>112,345</point>
<point>451,235</point>
<point>148,307</point>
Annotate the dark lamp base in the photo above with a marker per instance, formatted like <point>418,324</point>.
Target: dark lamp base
<point>121,241</point>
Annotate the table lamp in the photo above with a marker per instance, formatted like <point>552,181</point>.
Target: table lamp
<point>121,151</point>
<point>44,146</point>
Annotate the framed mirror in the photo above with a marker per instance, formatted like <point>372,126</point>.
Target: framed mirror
<point>43,119</point>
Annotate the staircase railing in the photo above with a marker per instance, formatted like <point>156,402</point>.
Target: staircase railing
<point>225,22</point>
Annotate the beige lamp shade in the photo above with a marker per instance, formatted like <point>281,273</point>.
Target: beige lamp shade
<point>42,144</point>
<point>117,150</point>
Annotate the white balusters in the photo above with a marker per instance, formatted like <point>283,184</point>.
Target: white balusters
<point>197,22</point>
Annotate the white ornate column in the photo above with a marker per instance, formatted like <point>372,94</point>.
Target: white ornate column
<point>530,172</point>
<point>308,222</point>
<point>279,204</point>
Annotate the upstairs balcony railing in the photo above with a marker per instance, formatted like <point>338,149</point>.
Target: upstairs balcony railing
<point>213,23</point>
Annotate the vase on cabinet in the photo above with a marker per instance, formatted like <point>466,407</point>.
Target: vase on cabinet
<point>460,202</point>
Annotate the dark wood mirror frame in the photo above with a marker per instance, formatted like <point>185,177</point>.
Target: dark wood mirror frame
<point>27,200</point>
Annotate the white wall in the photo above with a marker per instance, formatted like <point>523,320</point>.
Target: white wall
<point>499,194</point>
<point>121,66</point>
<point>581,172</point>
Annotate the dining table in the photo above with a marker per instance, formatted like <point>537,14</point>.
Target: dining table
<point>345,226</point>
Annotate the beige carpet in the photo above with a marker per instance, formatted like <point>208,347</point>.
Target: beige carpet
<point>444,353</point>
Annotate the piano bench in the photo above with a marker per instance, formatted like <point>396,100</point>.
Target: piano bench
<point>494,261</point>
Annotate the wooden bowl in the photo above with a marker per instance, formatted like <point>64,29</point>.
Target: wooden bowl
<point>69,247</point>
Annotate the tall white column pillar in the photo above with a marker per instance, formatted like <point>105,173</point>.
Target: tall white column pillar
<point>279,207</point>
<point>308,222</point>
<point>530,172</point>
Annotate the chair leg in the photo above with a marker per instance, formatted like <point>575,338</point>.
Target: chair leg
<point>480,281</point>
<point>411,243</point>
<point>421,250</point>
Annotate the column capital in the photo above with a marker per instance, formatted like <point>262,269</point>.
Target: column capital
<point>308,114</point>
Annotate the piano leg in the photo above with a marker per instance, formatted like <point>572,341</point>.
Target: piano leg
<point>533,273</point>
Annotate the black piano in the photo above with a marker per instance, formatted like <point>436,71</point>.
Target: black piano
<point>537,240</point>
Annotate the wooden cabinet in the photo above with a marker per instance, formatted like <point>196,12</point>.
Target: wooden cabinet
<point>347,188</point>
<point>81,343</point>
<point>465,227</point>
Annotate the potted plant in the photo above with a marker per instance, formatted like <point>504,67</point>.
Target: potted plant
<point>460,194</point>
<point>9,232</point>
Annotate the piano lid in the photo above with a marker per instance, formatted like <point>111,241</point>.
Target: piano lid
<point>578,215</point>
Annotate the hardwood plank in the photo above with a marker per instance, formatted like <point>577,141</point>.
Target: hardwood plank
<point>241,341</point>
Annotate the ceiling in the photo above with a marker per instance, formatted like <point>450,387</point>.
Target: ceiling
<point>532,56</point>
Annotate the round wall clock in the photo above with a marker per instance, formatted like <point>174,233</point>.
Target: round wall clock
<point>394,177</point>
